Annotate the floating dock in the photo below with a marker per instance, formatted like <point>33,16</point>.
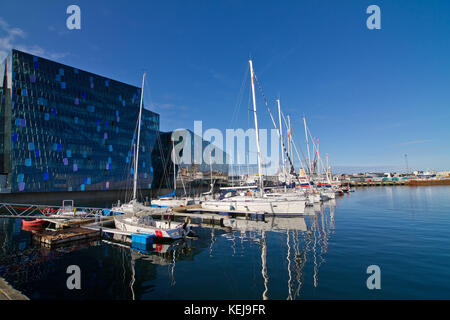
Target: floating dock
<point>74,223</point>
<point>55,238</point>
<point>373,183</point>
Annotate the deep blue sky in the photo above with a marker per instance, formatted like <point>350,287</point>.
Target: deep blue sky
<point>369,95</point>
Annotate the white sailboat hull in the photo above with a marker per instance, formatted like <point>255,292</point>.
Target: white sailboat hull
<point>164,229</point>
<point>257,205</point>
<point>171,202</point>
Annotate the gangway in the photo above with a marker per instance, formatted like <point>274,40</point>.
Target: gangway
<point>66,211</point>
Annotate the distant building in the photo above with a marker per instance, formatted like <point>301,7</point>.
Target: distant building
<point>443,173</point>
<point>193,174</point>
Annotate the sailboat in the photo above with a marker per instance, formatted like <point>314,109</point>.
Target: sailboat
<point>256,203</point>
<point>137,217</point>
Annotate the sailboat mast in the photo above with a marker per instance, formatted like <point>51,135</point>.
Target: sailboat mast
<point>256,126</point>
<point>307,146</point>
<point>138,140</point>
<point>174,168</point>
<point>328,167</point>
<point>281,139</point>
<point>289,143</point>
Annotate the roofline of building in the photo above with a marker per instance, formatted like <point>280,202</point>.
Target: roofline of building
<point>91,73</point>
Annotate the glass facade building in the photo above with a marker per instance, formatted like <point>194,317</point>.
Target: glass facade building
<point>64,129</point>
<point>193,176</point>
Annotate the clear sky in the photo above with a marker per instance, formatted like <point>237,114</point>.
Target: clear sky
<point>370,96</point>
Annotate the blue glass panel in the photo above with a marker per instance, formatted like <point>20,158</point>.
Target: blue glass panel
<point>46,116</point>
<point>28,162</point>
<point>31,146</point>
<point>45,176</point>
<point>20,177</point>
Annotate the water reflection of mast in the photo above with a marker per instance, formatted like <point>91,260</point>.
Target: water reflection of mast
<point>172,270</point>
<point>132,261</point>
<point>213,239</point>
<point>316,269</point>
<point>301,263</point>
<point>289,266</point>
<point>264,267</point>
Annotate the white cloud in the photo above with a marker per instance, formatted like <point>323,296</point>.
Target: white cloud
<point>10,38</point>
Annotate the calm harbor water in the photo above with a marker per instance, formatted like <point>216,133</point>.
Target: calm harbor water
<point>403,230</point>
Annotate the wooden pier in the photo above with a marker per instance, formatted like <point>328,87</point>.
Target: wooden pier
<point>52,239</point>
<point>75,223</point>
<point>418,182</point>
<point>373,183</point>
<point>7,292</point>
